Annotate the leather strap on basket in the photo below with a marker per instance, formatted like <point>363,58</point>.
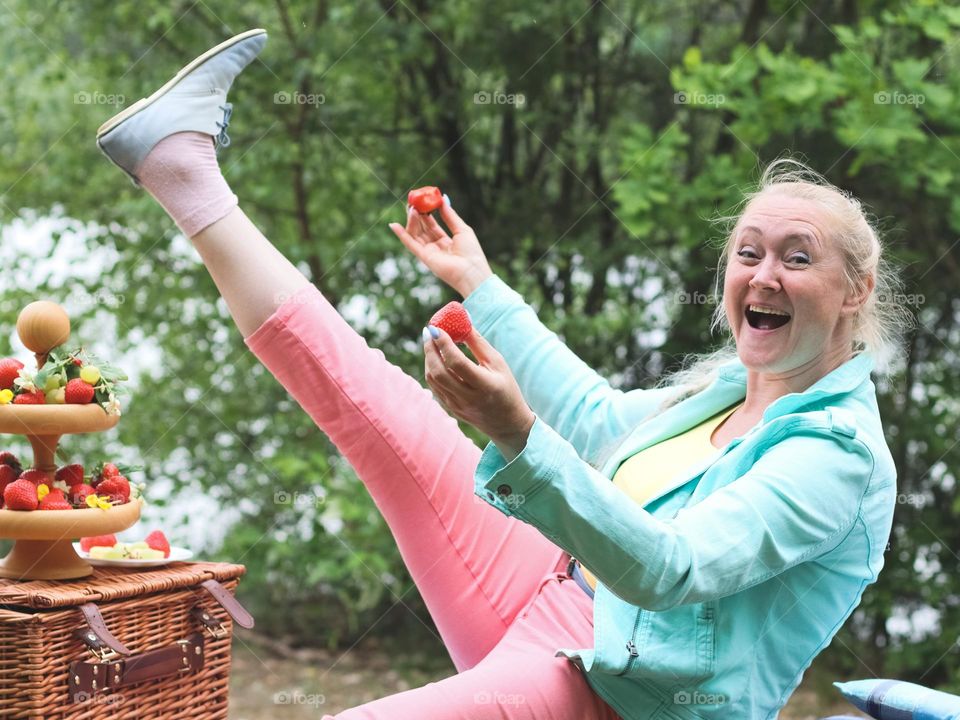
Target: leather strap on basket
<point>97,635</point>
<point>229,603</point>
<point>89,677</point>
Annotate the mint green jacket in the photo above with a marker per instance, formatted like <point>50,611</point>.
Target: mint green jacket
<point>716,595</point>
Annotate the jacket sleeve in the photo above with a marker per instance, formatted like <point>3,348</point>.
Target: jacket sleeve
<point>559,387</point>
<point>796,502</point>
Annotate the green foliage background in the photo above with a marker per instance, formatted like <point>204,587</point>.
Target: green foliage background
<point>601,185</point>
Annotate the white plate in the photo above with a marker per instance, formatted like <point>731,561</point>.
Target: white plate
<point>176,554</point>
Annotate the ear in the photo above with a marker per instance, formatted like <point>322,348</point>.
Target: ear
<point>855,300</point>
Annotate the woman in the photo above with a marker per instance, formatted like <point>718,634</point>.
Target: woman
<point>762,487</point>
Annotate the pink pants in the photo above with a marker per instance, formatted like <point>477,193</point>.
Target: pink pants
<point>496,588</point>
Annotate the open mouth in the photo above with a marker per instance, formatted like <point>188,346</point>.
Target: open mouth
<point>761,317</point>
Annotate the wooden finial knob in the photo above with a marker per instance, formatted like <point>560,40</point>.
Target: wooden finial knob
<point>42,325</point>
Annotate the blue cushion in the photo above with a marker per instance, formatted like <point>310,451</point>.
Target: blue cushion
<point>898,700</point>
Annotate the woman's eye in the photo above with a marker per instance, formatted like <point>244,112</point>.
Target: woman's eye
<point>801,258</point>
<point>747,253</point>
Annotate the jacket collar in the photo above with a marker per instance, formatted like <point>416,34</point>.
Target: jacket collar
<point>840,381</point>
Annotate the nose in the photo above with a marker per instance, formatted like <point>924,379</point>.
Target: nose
<point>766,276</point>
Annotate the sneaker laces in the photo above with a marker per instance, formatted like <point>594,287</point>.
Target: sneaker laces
<point>222,139</point>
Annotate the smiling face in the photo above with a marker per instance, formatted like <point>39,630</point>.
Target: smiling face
<point>785,294</point>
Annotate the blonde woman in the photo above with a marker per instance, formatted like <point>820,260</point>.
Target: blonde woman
<point>727,522</point>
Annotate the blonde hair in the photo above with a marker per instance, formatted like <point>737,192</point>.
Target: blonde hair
<point>878,325</point>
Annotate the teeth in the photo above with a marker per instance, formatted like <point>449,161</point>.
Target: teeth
<point>766,310</point>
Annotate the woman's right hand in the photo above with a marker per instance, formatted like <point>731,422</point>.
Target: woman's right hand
<point>458,260</point>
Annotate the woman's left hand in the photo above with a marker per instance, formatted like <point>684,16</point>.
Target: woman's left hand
<point>486,395</point>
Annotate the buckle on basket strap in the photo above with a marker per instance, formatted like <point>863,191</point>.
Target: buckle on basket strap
<point>97,637</point>
<point>209,623</point>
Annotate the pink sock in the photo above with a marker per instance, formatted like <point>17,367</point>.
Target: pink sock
<point>182,173</point>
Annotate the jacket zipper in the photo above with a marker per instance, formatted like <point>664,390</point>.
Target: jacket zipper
<point>631,646</point>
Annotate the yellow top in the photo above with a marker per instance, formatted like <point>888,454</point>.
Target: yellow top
<point>643,474</point>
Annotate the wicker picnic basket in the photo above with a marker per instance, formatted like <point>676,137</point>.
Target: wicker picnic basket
<point>121,644</point>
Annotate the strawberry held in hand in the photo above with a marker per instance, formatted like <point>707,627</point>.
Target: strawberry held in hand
<point>454,320</point>
<point>426,199</point>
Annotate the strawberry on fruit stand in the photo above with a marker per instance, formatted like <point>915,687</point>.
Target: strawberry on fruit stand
<point>78,392</point>
<point>9,371</point>
<point>21,495</point>
<point>8,458</point>
<point>36,397</point>
<point>37,477</point>
<point>54,500</point>
<point>77,494</point>
<point>116,489</point>
<point>70,474</point>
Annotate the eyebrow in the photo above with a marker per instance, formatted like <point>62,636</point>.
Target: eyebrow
<point>802,236</point>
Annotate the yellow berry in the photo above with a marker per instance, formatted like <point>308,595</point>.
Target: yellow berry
<point>90,374</point>
<point>42,491</point>
<point>57,396</point>
<point>5,396</point>
<point>52,383</point>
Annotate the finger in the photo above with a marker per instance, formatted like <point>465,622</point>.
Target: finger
<point>413,222</point>
<point>455,360</point>
<point>485,353</point>
<point>437,233</point>
<point>409,241</point>
<point>452,219</point>
<point>438,366</point>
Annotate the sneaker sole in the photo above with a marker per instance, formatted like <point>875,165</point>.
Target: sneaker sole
<point>143,103</point>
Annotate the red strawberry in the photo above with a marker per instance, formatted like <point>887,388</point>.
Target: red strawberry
<point>78,392</point>
<point>117,488</point>
<point>28,398</point>
<point>97,541</point>
<point>7,475</point>
<point>9,371</point>
<point>70,474</point>
<point>8,458</point>
<point>78,494</point>
<point>21,495</point>
<point>425,199</point>
<point>110,470</point>
<point>35,476</point>
<point>158,541</point>
<point>454,320</point>
<point>54,500</point>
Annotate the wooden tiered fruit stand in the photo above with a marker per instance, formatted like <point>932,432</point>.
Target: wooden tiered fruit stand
<point>44,538</point>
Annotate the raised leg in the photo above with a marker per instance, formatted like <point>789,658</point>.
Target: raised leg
<point>475,568</point>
